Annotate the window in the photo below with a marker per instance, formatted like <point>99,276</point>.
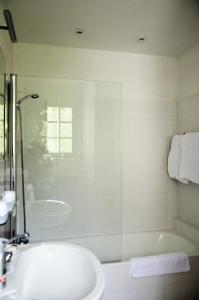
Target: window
<point>59,130</point>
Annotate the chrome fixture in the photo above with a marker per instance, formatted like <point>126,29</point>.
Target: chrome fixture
<point>10,25</point>
<point>32,96</point>
<point>16,106</point>
<point>13,168</point>
<point>20,239</point>
<point>6,255</point>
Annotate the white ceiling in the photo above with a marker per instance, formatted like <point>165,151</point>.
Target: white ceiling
<point>171,25</point>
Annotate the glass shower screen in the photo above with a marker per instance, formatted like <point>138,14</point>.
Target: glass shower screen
<point>72,163</point>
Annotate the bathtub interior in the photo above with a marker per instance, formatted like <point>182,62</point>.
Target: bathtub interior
<point>107,249</point>
<point>121,247</point>
<point>157,242</point>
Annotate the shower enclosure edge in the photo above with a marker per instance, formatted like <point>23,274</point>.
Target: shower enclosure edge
<point>13,171</point>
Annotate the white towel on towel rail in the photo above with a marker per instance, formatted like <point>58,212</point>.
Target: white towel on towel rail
<point>159,264</point>
<point>189,166</point>
<point>174,158</point>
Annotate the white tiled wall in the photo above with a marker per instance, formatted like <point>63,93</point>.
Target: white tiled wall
<point>149,118</point>
<point>5,66</point>
<point>5,43</point>
<point>188,122</point>
<point>147,130</point>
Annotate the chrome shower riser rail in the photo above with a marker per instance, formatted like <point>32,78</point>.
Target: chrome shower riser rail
<point>22,167</point>
<point>13,171</point>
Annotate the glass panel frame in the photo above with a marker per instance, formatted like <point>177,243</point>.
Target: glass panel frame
<point>74,174</point>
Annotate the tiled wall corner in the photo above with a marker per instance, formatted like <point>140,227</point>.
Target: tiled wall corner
<point>188,121</point>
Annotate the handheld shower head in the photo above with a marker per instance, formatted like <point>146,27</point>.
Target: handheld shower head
<point>32,96</point>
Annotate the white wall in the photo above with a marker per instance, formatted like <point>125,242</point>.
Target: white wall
<point>5,43</point>
<point>189,121</point>
<point>149,113</point>
<point>6,52</point>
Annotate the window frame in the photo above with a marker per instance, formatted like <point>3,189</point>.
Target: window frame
<point>59,137</point>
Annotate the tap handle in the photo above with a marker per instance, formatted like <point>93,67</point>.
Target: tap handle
<point>8,256</point>
<point>3,243</point>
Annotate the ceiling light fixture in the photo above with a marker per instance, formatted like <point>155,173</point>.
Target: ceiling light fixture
<point>142,38</point>
<point>79,31</point>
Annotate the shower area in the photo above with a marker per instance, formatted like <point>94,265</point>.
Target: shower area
<point>69,163</point>
<point>92,171</point>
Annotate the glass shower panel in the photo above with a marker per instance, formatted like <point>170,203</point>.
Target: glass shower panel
<point>72,158</point>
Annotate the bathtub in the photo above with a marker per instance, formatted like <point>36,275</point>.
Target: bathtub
<point>183,286</point>
<point>156,242</point>
<point>118,248</point>
<point>114,251</point>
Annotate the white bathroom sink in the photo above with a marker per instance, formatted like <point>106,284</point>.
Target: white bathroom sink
<point>54,271</point>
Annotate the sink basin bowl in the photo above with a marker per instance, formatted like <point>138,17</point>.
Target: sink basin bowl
<point>54,271</point>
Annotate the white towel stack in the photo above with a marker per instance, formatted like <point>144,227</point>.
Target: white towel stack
<point>189,166</point>
<point>159,264</point>
<point>183,160</point>
<point>174,158</point>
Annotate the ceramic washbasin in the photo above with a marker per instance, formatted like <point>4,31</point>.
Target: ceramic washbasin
<point>54,271</point>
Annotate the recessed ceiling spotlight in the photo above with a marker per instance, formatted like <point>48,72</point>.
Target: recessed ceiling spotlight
<point>79,31</point>
<point>142,38</point>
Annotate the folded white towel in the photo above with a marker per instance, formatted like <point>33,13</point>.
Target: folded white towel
<point>159,264</point>
<point>189,166</point>
<point>174,158</point>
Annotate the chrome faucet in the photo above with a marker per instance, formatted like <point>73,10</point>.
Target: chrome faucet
<point>5,255</point>
<point>20,239</point>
